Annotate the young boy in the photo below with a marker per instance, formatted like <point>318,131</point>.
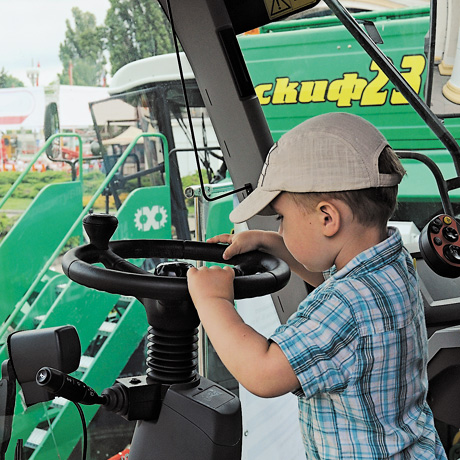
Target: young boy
<point>355,351</point>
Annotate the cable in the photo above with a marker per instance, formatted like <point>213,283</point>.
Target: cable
<point>85,432</point>
<point>247,187</point>
<point>19,452</point>
<point>50,427</point>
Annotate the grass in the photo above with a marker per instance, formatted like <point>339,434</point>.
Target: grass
<point>16,204</point>
<point>32,183</point>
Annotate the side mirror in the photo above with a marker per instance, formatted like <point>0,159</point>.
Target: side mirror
<point>95,148</point>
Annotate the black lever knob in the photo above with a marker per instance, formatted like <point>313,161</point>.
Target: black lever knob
<point>100,228</point>
<point>450,234</point>
<point>452,253</point>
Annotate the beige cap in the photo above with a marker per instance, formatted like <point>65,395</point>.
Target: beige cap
<point>332,152</point>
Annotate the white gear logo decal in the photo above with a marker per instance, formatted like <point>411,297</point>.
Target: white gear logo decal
<point>147,218</point>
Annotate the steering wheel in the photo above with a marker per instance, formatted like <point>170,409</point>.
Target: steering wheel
<point>257,273</point>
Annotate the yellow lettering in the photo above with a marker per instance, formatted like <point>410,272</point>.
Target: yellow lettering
<point>285,92</point>
<point>416,66</point>
<point>347,89</point>
<point>261,91</point>
<point>373,94</point>
<point>313,91</point>
<point>343,91</point>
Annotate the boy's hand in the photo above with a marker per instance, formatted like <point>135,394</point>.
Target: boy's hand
<point>239,242</point>
<point>257,364</point>
<point>265,241</point>
<point>207,284</point>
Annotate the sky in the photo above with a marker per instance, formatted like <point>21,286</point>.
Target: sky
<point>31,31</point>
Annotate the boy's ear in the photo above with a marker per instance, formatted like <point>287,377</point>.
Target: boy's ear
<point>330,218</point>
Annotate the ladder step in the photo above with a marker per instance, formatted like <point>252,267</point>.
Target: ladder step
<point>60,288</point>
<point>126,298</point>
<point>38,319</point>
<point>85,363</point>
<point>107,328</point>
<point>35,438</point>
<point>59,402</point>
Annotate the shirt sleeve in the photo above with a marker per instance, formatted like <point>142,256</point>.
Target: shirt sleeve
<point>320,341</point>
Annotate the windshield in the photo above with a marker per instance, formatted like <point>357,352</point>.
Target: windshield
<point>158,108</point>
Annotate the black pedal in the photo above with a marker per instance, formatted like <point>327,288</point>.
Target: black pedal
<point>439,244</point>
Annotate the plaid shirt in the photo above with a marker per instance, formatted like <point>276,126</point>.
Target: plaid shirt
<point>358,346</point>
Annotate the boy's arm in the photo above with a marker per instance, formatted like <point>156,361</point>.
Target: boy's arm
<point>266,241</point>
<point>259,365</point>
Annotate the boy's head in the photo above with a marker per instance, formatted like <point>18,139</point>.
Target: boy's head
<point>335,155</point>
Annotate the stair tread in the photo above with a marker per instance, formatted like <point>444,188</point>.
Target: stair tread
<point>107,327</point>
<point>85,363</point>
<point>35,438</point>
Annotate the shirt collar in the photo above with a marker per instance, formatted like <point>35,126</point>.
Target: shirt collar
<point>371,259</point>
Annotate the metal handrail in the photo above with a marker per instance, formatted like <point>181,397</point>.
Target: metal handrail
<point>5,326</point>
<point>38,155</point>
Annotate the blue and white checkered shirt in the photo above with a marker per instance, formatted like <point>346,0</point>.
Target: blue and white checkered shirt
<point>358,346</point>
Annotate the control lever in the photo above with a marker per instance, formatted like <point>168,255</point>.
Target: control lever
<point>130,398</point>
<point>440,246</point>
<point>61,384</point>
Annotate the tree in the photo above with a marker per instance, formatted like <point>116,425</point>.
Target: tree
<point>8,81</point>
<point>136,29</point>
<point>83,50</point>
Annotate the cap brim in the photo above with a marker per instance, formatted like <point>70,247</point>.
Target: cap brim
<point>256,203</point>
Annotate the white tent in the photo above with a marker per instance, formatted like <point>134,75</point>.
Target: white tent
<point>24,108</point>
<point>73,105</point>
<point>126,137</point>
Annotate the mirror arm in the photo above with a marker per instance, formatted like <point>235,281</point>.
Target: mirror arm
<point>443,185</point>
<point>429,51</point>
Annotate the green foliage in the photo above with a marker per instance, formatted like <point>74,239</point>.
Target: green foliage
<point>136,30</point>
<point>91,182</point>
<point>32,183</point>
<point>193,179</point>
<point>6,223</point>
<point>132,31</point>
<point>8,81</point>
<point>71,243</point>
<point>94,179</point>
<point>83,49</point>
